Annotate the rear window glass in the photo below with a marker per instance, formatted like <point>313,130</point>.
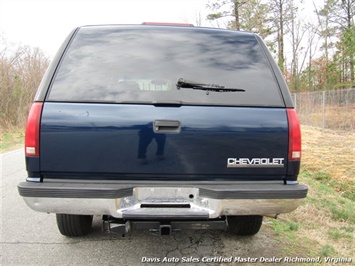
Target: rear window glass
<point>142,64</point>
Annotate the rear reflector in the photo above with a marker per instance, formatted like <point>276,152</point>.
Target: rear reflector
<point>32,130</point>
<point>294,135</point>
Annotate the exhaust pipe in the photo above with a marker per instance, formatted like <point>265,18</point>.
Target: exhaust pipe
<point>271,215</point>
<point>118,228</point>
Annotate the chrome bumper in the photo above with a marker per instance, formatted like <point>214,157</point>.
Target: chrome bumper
<point>178,201</point>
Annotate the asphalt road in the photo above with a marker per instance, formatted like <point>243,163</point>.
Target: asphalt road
<point>31,238</point>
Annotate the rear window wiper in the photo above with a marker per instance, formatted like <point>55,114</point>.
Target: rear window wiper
<point>186,84</point>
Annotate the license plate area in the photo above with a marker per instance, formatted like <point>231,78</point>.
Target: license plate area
<point>165,195</point>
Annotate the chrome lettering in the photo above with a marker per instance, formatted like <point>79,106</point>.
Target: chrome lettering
<point>255,162</point>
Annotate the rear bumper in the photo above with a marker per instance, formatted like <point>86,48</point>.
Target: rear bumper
<point>150,201</point>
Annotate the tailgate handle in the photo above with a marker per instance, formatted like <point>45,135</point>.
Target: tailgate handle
<point>167,126</point>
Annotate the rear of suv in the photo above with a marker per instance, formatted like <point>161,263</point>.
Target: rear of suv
<point>162,128</point>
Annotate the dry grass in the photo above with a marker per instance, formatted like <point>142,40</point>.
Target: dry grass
<point>334,118</point>
<point>332,109</point>
<point>331,151</point>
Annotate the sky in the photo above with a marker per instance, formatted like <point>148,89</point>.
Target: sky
<point>46,23</point>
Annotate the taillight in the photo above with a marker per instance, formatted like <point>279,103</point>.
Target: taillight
<point>32,130</point>
<point>294,135</point>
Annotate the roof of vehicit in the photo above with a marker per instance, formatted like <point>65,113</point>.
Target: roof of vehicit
<point>98,57</point>
<point>163,25</point>
<point>168,24</point>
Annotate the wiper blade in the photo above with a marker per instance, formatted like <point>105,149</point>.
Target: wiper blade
<point>186,84</point>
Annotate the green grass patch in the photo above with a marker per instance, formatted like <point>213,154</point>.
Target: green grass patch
<point>285,228</point>
<point>336,210</point>
<point>293,243</point>
<point>327,196</point>
<point>345,187</point>
<point>296,244</point>
<point>11,140</point>
<point>342,232</point>
<point>347,229</point>
<point>327,251</point>
<point>320,176</point>
<point>343,212</point>
<point>335,234</point>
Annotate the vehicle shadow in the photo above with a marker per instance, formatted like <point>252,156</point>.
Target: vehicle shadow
<point>190,247</point>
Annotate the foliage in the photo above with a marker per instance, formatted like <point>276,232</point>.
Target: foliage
<point>345,56</point>
<point>21,71</point>
<point>280,22</point>
<point>252,15</point>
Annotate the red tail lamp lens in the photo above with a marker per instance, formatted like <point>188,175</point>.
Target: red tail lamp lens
<point>294,133</point>
<point>32,130</point>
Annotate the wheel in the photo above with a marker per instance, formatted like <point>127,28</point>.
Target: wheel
<point>74,225</point>
<point>247,225</point>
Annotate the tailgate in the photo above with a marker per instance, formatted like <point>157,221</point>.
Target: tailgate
<point>131,141</point>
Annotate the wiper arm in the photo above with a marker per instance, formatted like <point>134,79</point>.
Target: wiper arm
<point>186,84</point>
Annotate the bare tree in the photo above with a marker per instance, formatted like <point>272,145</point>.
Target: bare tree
<point>312,48</point>
<point>20,74</point>
<point>281,11</point>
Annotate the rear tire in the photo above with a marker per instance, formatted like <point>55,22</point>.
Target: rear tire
<point>74,225</point>
<point>247,225</point>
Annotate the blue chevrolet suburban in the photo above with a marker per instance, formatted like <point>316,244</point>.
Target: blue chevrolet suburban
<point>162,128</point>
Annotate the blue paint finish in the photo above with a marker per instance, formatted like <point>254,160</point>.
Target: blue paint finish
<point>116,141</point>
